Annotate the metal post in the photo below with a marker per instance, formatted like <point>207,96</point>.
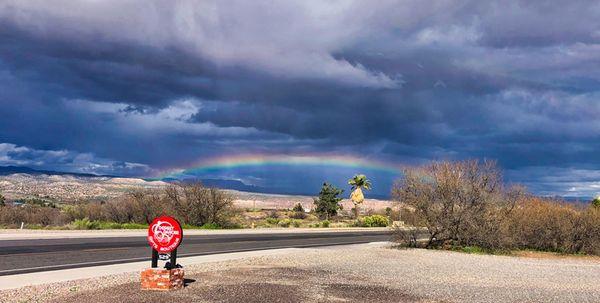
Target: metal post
<point>154,258</point>
<point>173,259</point>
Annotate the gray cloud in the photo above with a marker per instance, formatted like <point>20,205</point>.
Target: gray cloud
<point>411,81</point>
<point>69,161</point>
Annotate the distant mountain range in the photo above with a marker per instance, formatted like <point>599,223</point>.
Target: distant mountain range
<point>220,183</point>
<point>9,170</point>
<point>236,185</point>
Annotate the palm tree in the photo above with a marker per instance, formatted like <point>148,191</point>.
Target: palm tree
<point>358,182</point>
<point>596,202</point>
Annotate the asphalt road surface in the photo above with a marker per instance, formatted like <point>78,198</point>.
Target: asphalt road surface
<point>26,256</point>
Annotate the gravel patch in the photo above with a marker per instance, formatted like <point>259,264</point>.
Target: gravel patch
<point>358,273</point>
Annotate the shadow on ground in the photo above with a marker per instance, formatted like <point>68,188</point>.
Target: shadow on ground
<point>187,282</point>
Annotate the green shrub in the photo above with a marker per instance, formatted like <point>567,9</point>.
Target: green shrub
<point>284,223</point>
<point>85,223</point>
<point>375,221</point>
<point>325,223</point>
<point>298,208</point>
<point>288,223</point>
<point>34,226</point>
<point>233,225</point>
<point>134,226</point>
<point>109,225</point>
<point>272,221</point>
<point>189,226</point>
<point>299,215</point>
<point>471,249</point>
<point>204,226</point>
<point>210,226</point>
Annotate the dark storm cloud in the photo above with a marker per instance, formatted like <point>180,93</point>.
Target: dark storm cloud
<point>166,84</point>
<point>69,161</point>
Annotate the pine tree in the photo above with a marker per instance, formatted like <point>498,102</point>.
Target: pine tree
<point>327,205</point>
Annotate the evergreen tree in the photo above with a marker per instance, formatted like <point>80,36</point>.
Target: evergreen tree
<point>327,205</point>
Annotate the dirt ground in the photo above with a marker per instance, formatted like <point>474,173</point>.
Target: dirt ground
<point>254,284</point>
<point>360,273</point>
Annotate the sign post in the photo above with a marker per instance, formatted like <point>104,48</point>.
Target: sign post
<point>164,236</point>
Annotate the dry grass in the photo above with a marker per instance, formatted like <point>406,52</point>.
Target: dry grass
<point>552,255</point>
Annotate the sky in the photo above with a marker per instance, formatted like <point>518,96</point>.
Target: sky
<point>140,88</point>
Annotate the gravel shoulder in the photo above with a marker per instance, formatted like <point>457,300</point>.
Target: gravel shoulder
<point>357,273</point>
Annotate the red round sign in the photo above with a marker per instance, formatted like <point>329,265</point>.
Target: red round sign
<point>165,234</point>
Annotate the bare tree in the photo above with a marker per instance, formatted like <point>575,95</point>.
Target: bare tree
<point>199,205</point>
<point>457,202</point>
<point>148,205</point>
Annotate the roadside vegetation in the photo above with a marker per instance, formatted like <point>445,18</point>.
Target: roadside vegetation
<point>195,206</point>
<point>466,206</point>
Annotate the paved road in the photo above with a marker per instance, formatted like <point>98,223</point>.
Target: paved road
<point>25,256</point>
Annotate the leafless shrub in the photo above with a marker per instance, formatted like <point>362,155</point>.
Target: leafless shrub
<point>90,210</point>
<point>406,236</point>
<point>458,202</point>
<point>555,226</point>
<point>465,204</point>
<point>199,205</point>
<point>589,231</point>
<point>120,210</point>
<point>192,204</point>
<point>146,205</point>
<point>12,216</point>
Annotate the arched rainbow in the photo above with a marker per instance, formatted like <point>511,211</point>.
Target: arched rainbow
<point>247,160</point>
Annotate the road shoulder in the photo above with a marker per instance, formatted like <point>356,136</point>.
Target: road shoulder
<point>354,273</point>
<point>28,234</point>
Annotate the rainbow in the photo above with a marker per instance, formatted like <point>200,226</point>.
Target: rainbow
<point>248,160</point>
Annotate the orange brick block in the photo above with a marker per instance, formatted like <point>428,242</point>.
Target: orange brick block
<point>162,279</point>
